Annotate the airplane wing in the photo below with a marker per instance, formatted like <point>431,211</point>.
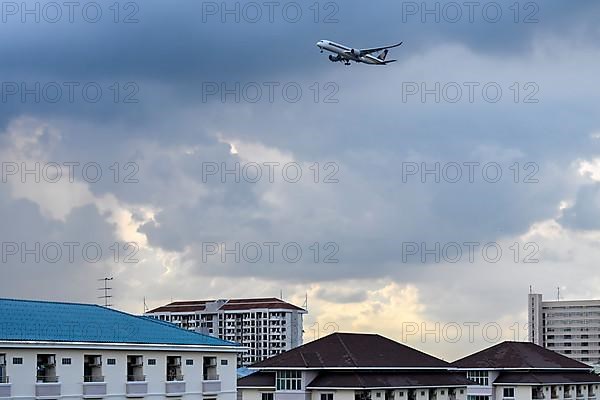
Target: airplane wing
<point>375,50</point>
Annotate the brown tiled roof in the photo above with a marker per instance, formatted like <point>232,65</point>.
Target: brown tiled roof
<point>399,379</point>
<point>231,304</point>
<point>256,300</point>
<point>174,308</point>
<point>248,306</point>
<point>351,350</point>
<point>547,378</point>
<point>258,379</point>
<point>525,355</point>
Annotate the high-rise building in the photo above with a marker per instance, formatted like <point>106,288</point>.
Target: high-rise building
<point>570,328</point>
<point>266,326</point>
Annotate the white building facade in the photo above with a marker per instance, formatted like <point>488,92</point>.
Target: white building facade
<point>75,351</point>
<point>570,328</point>
<point>265,326</point>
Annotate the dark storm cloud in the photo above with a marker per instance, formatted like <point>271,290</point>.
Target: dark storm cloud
<point>177,46</point>
<point>32,265</point>
<point>369,133</point>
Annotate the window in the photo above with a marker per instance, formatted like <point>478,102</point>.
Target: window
<point>152,361</point>
<point>326,396</point>
<point>92,368</point>
<point>209,369</point>
<point>3,377</point>
<point>289,380</point>
<point>223,362</point>
<point>481,377</point>
<point>66,361</point>
<point>508,393</point>
<point>17,360</point>
<point>46,368</point>
<point>266,396</point>
<point>135,369</point>
<point>111,361</point>
<point>362,395</point>
<point>174,369</point>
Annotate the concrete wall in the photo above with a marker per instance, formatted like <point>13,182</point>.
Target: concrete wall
<point>341,394</point>
<point>23,377</point>
<point>524,392</point>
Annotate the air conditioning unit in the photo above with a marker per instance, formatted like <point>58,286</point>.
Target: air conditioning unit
<point>2,359</point>
<point>211,362</point>
<point>175,362</point>
<point>96,361</point>
<point>137,361</point>
<point>51,360</point>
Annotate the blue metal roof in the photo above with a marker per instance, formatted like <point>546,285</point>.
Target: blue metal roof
<point>28,320</point>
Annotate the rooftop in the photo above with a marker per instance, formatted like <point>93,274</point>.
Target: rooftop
<point>258,379</point>
<point>547,378</point>
<point>352,350</point>
<point>229,304</point>
<point>518,355</point>
<point>46,321</point>
<point>398,379</point>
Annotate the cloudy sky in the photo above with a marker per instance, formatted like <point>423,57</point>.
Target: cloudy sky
<point>208,150</point>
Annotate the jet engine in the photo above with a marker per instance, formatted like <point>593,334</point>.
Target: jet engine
<point>333,58</point>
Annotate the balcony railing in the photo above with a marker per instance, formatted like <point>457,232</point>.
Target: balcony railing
<point>47,379</point>
<point>136,378</point>
<point>136,388</point>
<point>211,377</point>
<point>93,379</point>
<point>47,386</point>
<point>211,386</point>
<point>5,391</point>
<point>174,387</point>
<point>94,388</point>
<point>175,378</point>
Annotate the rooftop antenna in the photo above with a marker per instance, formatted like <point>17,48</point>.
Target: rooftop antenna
<point>281,294</point>
<point>530,289</point>
<point>558,293</point>
<point>107,290</point>
<point>145,305</point>
<point>305,305</point>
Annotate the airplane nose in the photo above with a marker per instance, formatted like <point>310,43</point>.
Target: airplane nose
<point>319,43</point>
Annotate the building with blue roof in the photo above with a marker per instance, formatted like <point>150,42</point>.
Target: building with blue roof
<point>52,350</point>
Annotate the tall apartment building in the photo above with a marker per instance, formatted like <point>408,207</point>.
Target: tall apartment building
<point>570,328</point>
<point>266,326</point>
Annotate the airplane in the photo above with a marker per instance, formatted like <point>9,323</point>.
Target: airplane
<point>347,54</point>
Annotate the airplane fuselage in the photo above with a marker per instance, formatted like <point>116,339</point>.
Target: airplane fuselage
<point>345,53</point>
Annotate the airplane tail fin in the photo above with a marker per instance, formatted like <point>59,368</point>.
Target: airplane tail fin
<point>383,55</point>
